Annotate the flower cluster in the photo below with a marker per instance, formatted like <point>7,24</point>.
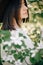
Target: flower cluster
<point>16,46</point>
<point>34,31</point>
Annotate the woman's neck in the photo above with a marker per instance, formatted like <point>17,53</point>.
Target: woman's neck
<point>16,26</point>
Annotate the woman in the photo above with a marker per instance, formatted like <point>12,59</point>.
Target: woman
<point>14,14</point>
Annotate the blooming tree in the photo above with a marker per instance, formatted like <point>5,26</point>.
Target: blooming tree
<point>16,50</point>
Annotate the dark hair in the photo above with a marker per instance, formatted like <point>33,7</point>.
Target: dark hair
<point>12,10</point>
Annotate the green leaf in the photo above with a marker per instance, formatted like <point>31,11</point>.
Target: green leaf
<point>20,34</point>
<point>15,56</point>
<point>13,51</point>
<point>5,32</point>
<point>27,52</point>
<point>38,56</point>
<point>32,1</point>
<point>6,38</point>
<point>5,46</point>
<point>17,46</point>
<point>23,44</point>
<point>41,52</point>
<point>6,35</point>
<point>33,61</point>
<point>0,41</point>
<point>24,37</point>
<point>40,62</point>
<point>22,58</point>
<point>19,55</point>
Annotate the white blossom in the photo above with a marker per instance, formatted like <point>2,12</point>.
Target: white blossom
<point>33,55</point>
<point>6,49</point>
<point>16,40</point>
<point>4,57</point>
<point>30,6</point>
<point>29,43</point>
<point>7,43</point>
<point>38,32</point>
<point>14,33</point>
<point>40,45</point>
<point>18,62</point>
<point>33,52</point>
<point>10,58</point>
